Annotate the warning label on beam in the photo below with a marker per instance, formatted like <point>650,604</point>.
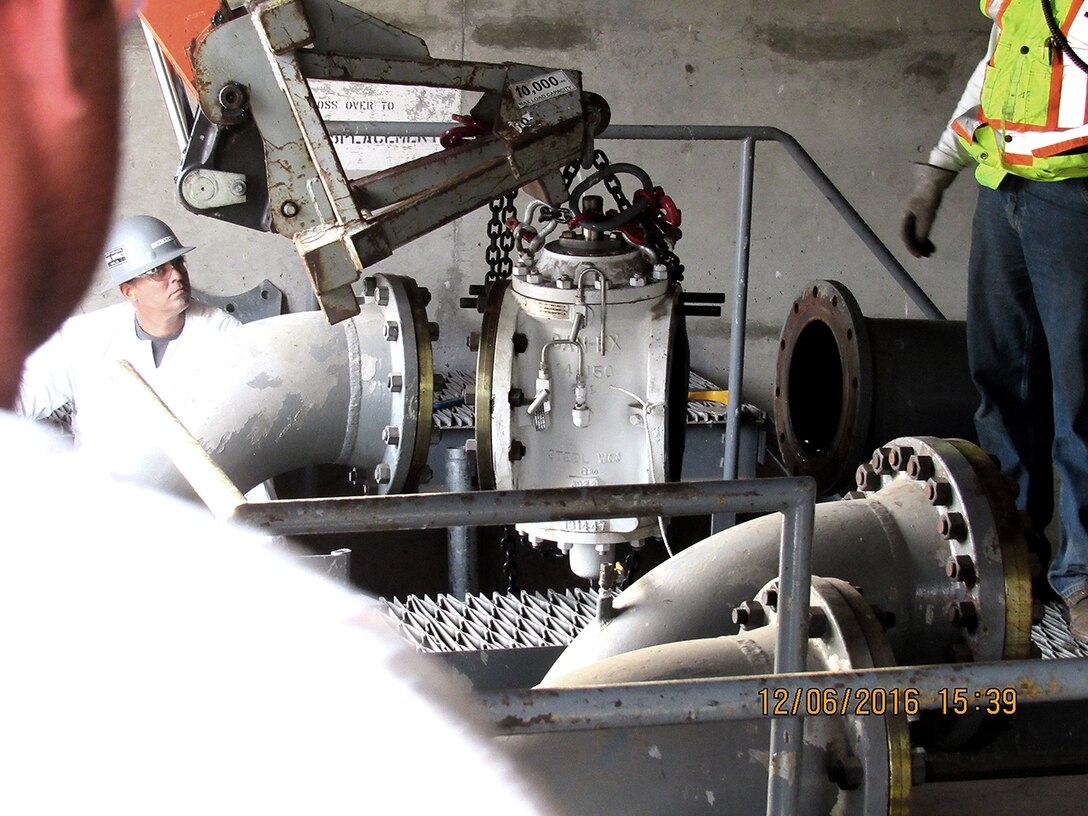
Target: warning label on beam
<point>369,102</point>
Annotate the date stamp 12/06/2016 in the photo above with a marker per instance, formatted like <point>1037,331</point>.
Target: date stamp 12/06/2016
<point>813,702</point>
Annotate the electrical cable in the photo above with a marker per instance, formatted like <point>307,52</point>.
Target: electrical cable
<point>1059,39</point>
<point>646,408</point>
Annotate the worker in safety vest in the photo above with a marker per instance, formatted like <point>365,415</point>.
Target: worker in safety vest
<point>157,322</point>
<point>1023,123</point>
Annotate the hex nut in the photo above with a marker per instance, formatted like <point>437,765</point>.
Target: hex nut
<point>750,615</point>
<point>899,455</point>
<point>391,331</point>
<point>952,526</point>
<point>880,461</point>
<point>963,613</point>
<point>867,479</point>
<point>517,451</point>
<point>473,341</point>
<point>848,773</point>
<point>938,492</point>
<point>391,435</point>
<point>961,568</point>
<point>383,473</point>
<point>920,467</point>
<point>395,383</point>
<point>381,295</point>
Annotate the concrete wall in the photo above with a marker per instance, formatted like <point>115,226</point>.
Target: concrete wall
<point>864,86</point>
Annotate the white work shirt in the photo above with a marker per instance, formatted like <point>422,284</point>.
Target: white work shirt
<point>80,358</point>
<point>157,662</point>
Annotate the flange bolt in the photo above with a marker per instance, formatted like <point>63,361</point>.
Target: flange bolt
<point>960,568</point>
<point>938,492</point>
<point>899,456</point>
<point>867,478</point>
<point>920,467</point>
<point>750,615</point>
<point>952,526</point>
<point>963,613</point>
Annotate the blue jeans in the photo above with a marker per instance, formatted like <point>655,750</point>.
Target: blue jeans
<point>1027,338</point>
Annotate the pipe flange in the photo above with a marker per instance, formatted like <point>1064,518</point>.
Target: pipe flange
<point>872,756</point>
<point>988,594</point>
<point>400,437</point>
<point>826,330</point>
<point>485,387</point>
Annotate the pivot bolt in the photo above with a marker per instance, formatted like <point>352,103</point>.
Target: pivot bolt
<point>952,526</point>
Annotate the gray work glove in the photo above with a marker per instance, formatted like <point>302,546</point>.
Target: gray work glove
<point>929,185</point>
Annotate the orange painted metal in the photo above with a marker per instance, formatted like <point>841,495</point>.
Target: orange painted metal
<point>178,25</point>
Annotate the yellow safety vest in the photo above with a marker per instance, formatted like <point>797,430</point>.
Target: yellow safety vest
<point>1034,106</point>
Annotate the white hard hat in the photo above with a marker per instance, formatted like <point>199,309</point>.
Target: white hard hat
<point>137,245</point>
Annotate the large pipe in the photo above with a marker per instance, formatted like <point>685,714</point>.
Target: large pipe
<point>845,383</point>
<point>848,765</point>
<point>935,542</point>
<point>291,391</point>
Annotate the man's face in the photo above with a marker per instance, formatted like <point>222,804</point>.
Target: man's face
<point>165,291</point>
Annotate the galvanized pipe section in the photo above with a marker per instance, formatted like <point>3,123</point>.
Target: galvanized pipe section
<point>673,702</point>
<point>428,511</point>
<point>739,318</point>
<point>462,549</point>
<point>795,576</point>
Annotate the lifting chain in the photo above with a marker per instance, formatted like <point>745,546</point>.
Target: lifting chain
<point>509,543</point>
<point>611,183</point>
<point>500,240</point>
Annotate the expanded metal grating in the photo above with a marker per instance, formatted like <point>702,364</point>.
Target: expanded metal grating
<point>1052,634</point>
<point>700,412</point>
<point>480,622</point>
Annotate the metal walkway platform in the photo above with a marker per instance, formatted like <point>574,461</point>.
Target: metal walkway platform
<point>527,620</point>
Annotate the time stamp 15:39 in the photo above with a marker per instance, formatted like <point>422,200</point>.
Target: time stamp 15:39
<point>811,702</point>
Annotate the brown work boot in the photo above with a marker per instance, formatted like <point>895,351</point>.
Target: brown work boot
<point>1078,615</point>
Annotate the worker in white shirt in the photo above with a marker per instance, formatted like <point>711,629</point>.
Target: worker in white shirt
<point>157,322</point>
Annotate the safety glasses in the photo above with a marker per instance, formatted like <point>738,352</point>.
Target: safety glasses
<point>159,273</point>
